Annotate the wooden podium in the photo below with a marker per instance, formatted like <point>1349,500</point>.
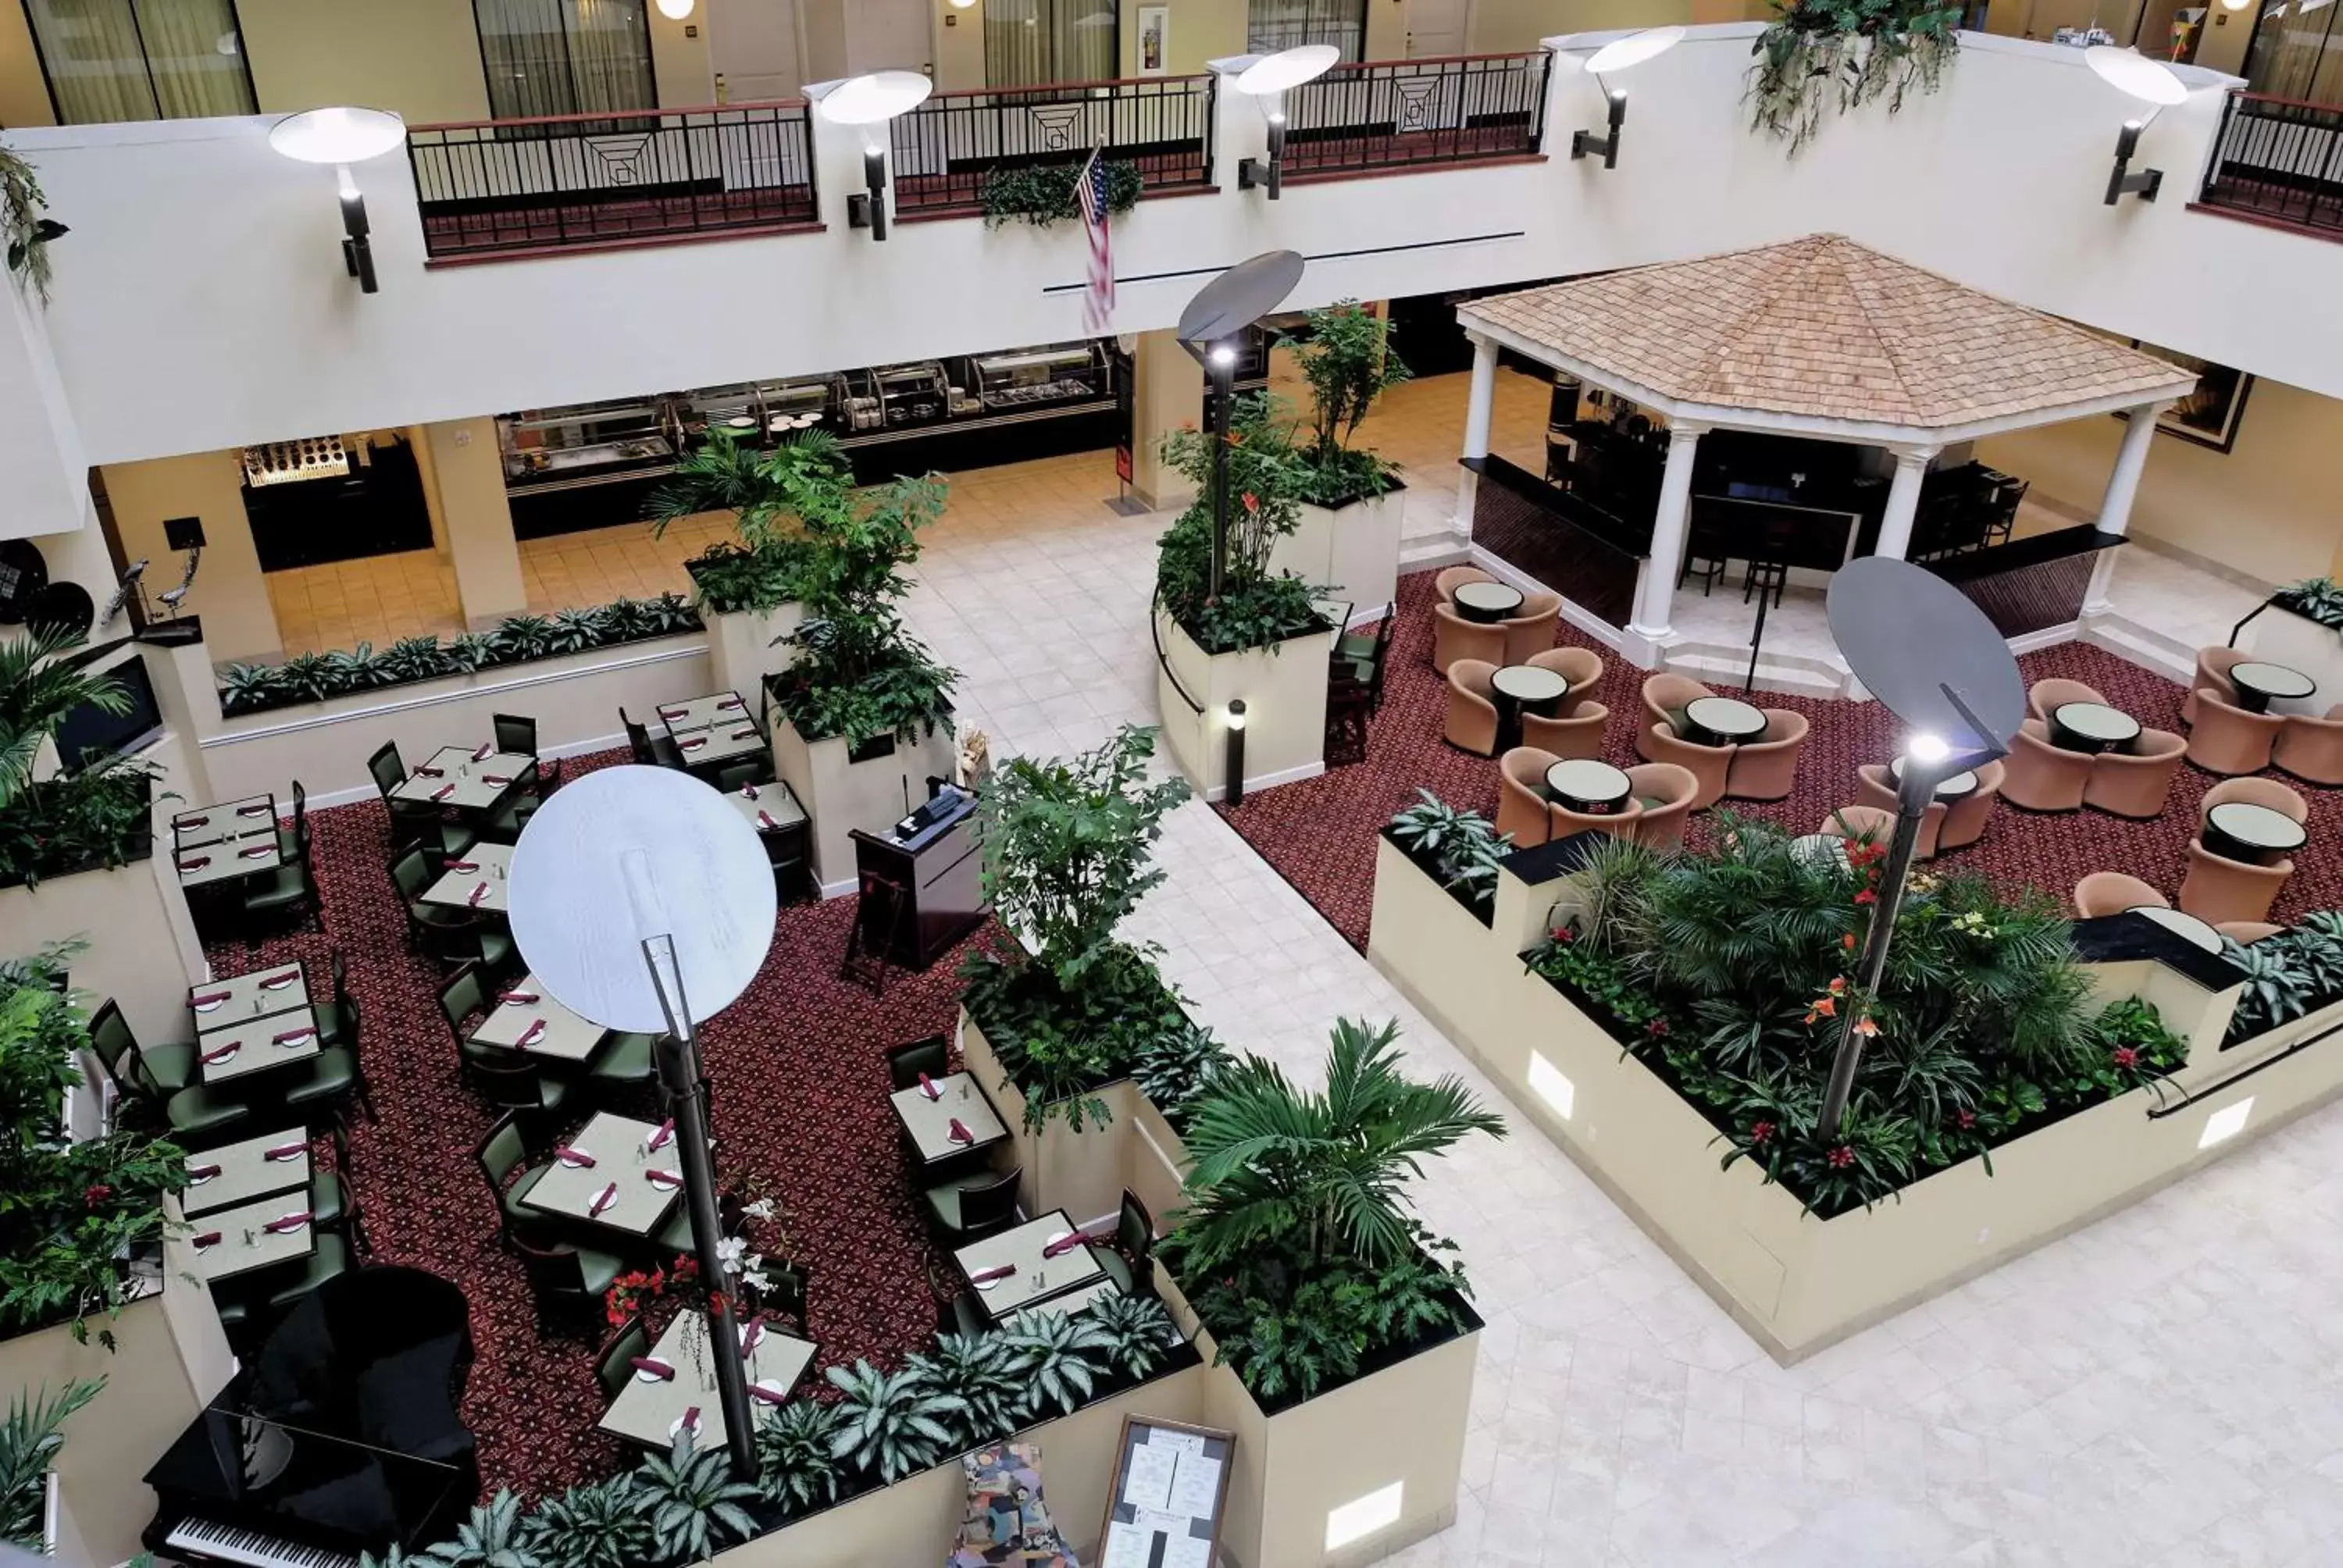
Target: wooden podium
<point>922,884</point>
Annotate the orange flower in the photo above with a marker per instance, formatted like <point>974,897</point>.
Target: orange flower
<point>1866,897</point>
<point>1252,502</point>
<point>1863,1026</point>
<point>1838,986</point>
<point>1847,942</point>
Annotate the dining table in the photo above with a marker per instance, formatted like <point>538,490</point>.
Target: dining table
<point>249,1045</point>
<point>615,1174</point>
<point>711,729</point>
<point>527,1020</point>
<point>1066,1304</point>
<point>1585,785</point>
<point>682,718</point>
<point>247,853</point>
<point>1721,721</point>
<point>1013,1269</point>
<point>1952,787</point>
<point>2253,835</point>
<point>474,879</point>
<point>260,993</point>
<point>234,1174</point>
<point>947,1118</point>
<point>1486,601</point>
<point>201,825</point>
<point>261,1234</point>
<point>768,807</point>
<point>676,1379</point>
<point>2259,683</point>
<point>2092,727</point>
<point>474,779</point>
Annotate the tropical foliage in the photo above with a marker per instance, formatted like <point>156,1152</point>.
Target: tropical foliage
<point>1046,194</point>
<point>764,490</point>
<point>1298,1250</point>
<point>1459,850</point>
<point>1849,52</point>
<point>1732,975</point>
<point>30,1436</point>
<point>24,224</point>
<point>1345,355</point>
<point>1269,479</point>
<point>516,639</point>
<point>2296,971</point>
<point>2314,598</point>
<point>97,816</point>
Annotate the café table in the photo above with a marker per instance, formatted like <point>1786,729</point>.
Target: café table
<point>227,859</point>
<point>2256,835</point>
<point>1585,785</point>
<point>279,988</point>
<point>928,1122</point>
<point>682,718</point>
<point>483,866</point>
<point>2181,924</point>
<point>1957,787</point>
<point>768,807</point>
<point>2259,683</point>
<point>2092,727</point>
<point>467,779</point>
<point>1721,721</point>
<point>527,1020</point>
<point>253,1045</point>
<point>1523,688</point>
<point>234,1242</point>
<point>202,825</point>
<point>722,743</point>
<point>650,1409</point>
<point>238,1173</point>
<point>617,1146</point>
<point>1487,602</point>
<point>1067,1304</point>
<point>1032,1276</point>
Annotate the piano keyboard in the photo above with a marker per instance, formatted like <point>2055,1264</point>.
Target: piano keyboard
<point>201,1541</point>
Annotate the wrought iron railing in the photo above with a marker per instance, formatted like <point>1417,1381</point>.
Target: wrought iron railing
<point>2278,158</point>
<point>945,148</point>
<point>1393,113</point>
<point>491,186</point>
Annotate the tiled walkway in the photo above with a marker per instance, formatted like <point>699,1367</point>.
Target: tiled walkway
<point>2163,1388</point>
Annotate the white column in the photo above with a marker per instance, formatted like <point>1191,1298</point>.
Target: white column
<point>2115,505</point>
<point>1479,408</point>
<point>1903,499</point>
<point>1655,597</point>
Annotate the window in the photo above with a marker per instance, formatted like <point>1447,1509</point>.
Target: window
<point>2295,52</point>
<point>1279,25</point>
<point>1029,43</point>
<point>109,60</point>
<point>566,56</point>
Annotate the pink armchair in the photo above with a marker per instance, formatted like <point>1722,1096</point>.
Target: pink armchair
<point>2220,891</point>
<point>1472,706</point>
<point>1707,766</point>
<point>1581,667</point>
<point>2041,776</point>
<point>1666,696</point>
<point>2113,892</point>
<point>1578,732</point>
<point>1521,804</point>
<point>1667,793</point>
<point>1875,788</point>
<point>2137,782</point>
<point>2045,698</point>
<point>2311,749</point>
<point>1767,768</point>
<point>2230,740</point>
<point>1455,638</point>
<point>1529,631</point>
<point>2213,666</point>
<point>1965,820</point>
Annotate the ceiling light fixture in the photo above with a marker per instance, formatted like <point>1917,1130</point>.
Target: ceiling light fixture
<point>1266,80</point>
<point>1617,56</point>
<point>2153,82</point>
<point>869,103</point>
<point>675,10</point>
<point>340,137</point>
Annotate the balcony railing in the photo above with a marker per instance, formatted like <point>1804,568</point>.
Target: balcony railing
<point>1395,114</point>
<point>945,148</point>
<point>496,186</point>
<point>2278,158</point>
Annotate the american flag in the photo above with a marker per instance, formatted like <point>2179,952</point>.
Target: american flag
<point>1098,300</point>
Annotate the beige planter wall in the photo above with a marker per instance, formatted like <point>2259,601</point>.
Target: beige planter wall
<point>142,950</point>
<point>839,795</point>
<point>1284,693</point>
<point>1085,1173</point>
<point>1795,1282</point>
<point>741,651</point>
<point>2301,643</point>
<point>1355,549</point>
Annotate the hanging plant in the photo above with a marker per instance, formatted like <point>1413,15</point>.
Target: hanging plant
<point>24,224</point>
<point>1852,50</point>
<point>1045,195</point>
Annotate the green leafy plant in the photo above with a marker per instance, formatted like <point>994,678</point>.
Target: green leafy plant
<point>1268,480</point>
<point>767,491</point>
<point>600,1525</point>
<point>1852,51</point>
<point>1346,357</point>
<point>890,1423</point>
<point>1045,194</point>
<point>494,1536</point>
<point>982,1377</point>
<point>2315,598</point>
<point>2295,971</point>
<point>1461,849</point>
<point>25,225</point>
<point>1133,1334</point>
<point>1057,1357</point>
<point>693,1501</point>
<point>797,1469</point>
<point>30,1438</point>
<point>1175,1063</point>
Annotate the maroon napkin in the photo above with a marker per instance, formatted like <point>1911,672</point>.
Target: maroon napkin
<point>728,702</point>
<point>278,982</point>
<point>191,821</point>
<point>691,1420</point>
<point>986,1276</point>
<point>223,1053</point>
<point>765,820</point>
<point>518,997</point>
<point>658,1140</point>
<point>928,1088</point>
<point>442,792</point>
<point>673,713</point>
<point>463,865</point>
<point>746,732</point>
<point>208,1239</point>
<point>287,1151</point>
<point>753,1335</point>
<point>428,772</point>
<point>656,1367</point>
<point>959,1133</point>
<point>528,1036</point>
<point>494,779</point>
<point>201,1173</point>
<point>207,999</point>
<point>748,791</point>
<point>602,1200</point>
<point>575,1159</point>
<point>488,748</point>
<point>260,809</point>
<point>256,852</point>
<point>692,744</point>
<point>760,1391</point>
<point>1065,1243</point>
<point>477,894</point>
<point>294,1036</point>
<point>284,1222</point>
<point>198,864</point>
<point>666,1179</point>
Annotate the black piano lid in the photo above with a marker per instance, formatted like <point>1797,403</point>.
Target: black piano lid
<point>305,1486</point>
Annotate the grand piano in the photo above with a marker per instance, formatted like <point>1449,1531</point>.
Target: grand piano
<point>342,1437</point>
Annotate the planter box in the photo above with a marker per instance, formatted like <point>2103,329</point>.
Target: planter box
<point>1355,547</point>
<point>143,949</point>
<point>170,1359</point>
<point>840,795</point>
<point>1085,1173</point>
<point>2301,643</point>
<point>1284,693</point>
<point>741,651</point>
<point>1350,1476</point>
<point>1795,1282</point>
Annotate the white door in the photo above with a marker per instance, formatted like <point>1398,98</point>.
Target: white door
<point>889,36</point>
<point>1436,27</point>
<point>753,46</point>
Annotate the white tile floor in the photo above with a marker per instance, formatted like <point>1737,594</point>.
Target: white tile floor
<point>2162,1390</point>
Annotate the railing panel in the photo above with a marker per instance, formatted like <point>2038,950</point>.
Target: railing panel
<point>944,149</point>
<point>2278,158</point>
<point>1393,113</point>
<point>586,179</point>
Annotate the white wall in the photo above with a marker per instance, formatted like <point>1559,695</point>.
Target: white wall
<point>201,302</point>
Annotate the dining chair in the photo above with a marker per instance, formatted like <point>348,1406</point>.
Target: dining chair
<point>334,1205</point>
<point>1709,766</point>
<point>2218,891</point>
<point>451,936</point>
<point>330,1080</point>
<point>568,1281</point>
<point>736,775</point>
<point>1134,1242</point>
<point>463,994</point>
<point>157,1072</point>
<point>1520,796</point>
<point>650,750</point>
<point>517,735</point>
<point>2042,777</point>
<point>2310,747</point>
<point>1472,724</point>
<point>790,1293</point>
<point>2046,696</point>
<point>290,839</point>
<point>502,1158</point>
<point>330,1261</point>
<point>515,1085</point>
<point>1767,768</point>
<point>337,1019</point>
<point>624,1061</point>
<point>962,1313</point>
<point>2137,782</point>
<point>2228,739</point>
<point>969,1207</point>
<point>931,1055</point>
<point>202,1116</point>
<point>2104,894</point>
<point>290,888</point>
<point>614,1364</point>
<point>413,821</point>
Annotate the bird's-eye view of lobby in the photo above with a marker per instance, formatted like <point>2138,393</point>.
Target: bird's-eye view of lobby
<point>1171,784</point>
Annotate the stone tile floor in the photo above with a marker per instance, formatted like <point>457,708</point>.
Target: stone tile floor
<point>2162,1389</point>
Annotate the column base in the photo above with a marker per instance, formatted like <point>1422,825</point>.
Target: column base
<point>1646,647</point>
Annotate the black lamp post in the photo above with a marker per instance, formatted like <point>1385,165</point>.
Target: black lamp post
<point>1210,329</point>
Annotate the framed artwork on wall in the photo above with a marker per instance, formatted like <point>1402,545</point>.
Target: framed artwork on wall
<point>1154,40</point>
<point>2209,416</point>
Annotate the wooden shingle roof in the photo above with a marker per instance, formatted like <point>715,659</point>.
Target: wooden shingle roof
<point>1826,329</point>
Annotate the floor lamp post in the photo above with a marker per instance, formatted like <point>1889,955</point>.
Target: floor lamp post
<point>1210,329</point>
<point>632,892</point>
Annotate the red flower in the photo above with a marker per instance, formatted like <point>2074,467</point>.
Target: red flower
<point>1565,934</point>
<point>1759,1132</point>
<point>1865,1025</point>
<point>1866,897</point>
<point>1841,1157</point>
<point>1252,502</point>
<point>716,1301</point>
<point>1966,1119</point>
<point>1825,1008</point>
<point>94,1194</point>
<point>1847,942</point>
<point>2126,1056</point>
<point>1657,1027</point>
<point>1838,986</point>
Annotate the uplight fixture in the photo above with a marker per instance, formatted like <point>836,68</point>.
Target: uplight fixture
<point>675,10</point>
<point>1236,721</point>
<point>1267,80</point>
<point>1617,56</point>
<point>1363,1516</point>
<point>2153,82</point>
<point>869,103</point>
<point>2226,1123</point>
<point>1551,1086</point>
<point>340,137</point>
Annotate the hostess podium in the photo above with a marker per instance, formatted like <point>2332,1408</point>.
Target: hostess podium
<point>922,886</point>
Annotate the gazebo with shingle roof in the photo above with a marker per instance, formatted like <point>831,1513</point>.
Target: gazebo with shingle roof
<point>1821,339</point>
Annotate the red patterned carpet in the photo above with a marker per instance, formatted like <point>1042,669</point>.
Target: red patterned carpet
<point>1320,834</point>
<point>800,1099</point>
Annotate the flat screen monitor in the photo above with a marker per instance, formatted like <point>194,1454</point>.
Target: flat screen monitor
<point>88,734</point>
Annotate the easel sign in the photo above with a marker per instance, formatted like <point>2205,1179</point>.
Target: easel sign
<point>1171,1485</point>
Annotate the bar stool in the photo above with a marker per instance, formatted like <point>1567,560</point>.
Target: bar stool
<point>1766,577</point>
<point>1709,569</point>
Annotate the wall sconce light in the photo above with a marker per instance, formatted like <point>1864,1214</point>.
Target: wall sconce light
<point>1617,56</point>
<point>1267,79</point>
<point>2153,84</point>
<point>341,137</point>
<point>675,10</point>
<point>1235,790</point>
<point>868,103</point>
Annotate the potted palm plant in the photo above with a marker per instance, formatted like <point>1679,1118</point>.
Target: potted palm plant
<point>750,590</point>
<point>95,817</point>
<point>1351,501</point>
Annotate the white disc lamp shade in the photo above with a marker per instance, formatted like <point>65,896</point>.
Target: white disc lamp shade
<point>1633,49</point>
<point>675,10</point>
<point>1287,68</point>
<point>876,98</point>
<point>337,136</point>
<point>2135,76</point>
<point>624,854</point>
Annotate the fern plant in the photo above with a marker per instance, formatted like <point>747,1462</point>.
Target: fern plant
<point>890,1423</point>
<point>1850,51</point>
<point>601,1525</point>
<point>797,1470</point>
<point>1053,1351</point>
<point>693,1502</point>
